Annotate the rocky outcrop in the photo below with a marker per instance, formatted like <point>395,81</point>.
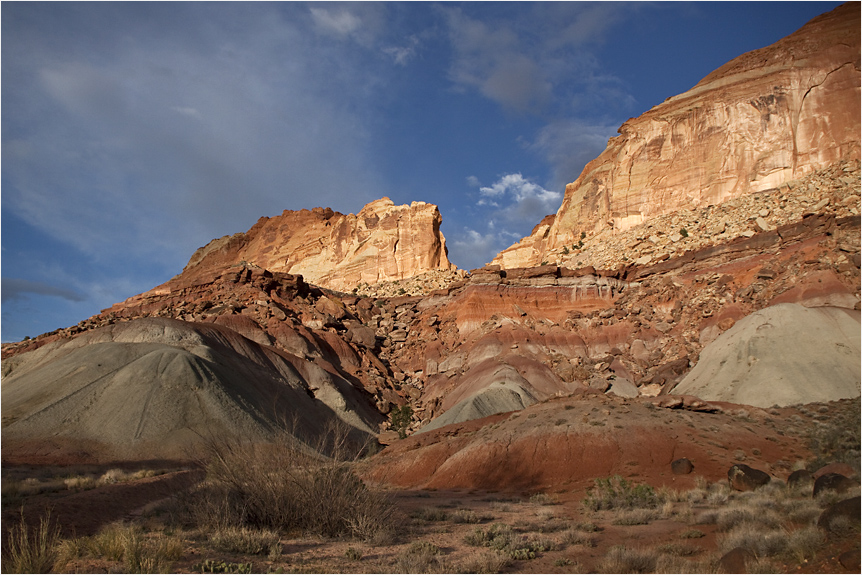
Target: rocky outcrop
<point>765,118</point>
<point>383,242</point>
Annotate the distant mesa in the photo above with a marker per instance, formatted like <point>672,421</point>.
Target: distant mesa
<point>383,242</point>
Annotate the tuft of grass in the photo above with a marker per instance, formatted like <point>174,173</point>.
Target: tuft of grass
<point>430,514</point>
<point>244,540</point>
<point>620,559</point>
<point>638,516</point>
<point>484,561</point>
<point>421,557</point>
<point>466,516</point>
<point>692,534</point>
<point>31,551</point>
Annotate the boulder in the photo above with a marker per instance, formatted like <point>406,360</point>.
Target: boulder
<point>735,560</point>
<point>833,481</point>
<point>800,478</point>
<point>851,560</point>
<point>682,466</point>
<point>842,517</point>
<point>622,387</point>
<point>745,478</point>
<point>842,468</point>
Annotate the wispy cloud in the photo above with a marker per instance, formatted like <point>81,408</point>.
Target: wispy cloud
<point>570,144</point>
<point>401,55</point>
<point>17,288</point>
<point>341,22</point>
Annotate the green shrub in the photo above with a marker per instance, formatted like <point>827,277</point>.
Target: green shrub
<point>617,493</point>
<point>213,566</point>
<point>401,418</point>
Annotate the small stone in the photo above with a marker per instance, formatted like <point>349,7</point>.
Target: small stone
<point>747,234</point>
<point>643,260</point>
<point>675,237</point>
<point>820,205</point>
<point>763,213</point>
<point>762,224</point>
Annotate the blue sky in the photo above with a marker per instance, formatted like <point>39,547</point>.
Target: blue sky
<point>134,133</point>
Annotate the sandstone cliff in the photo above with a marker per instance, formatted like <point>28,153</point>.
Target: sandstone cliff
<point>763,119</point>
<point>383,242</point>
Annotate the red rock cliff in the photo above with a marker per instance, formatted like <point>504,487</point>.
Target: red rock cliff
<point>764,118</point>
<point>383,242</point>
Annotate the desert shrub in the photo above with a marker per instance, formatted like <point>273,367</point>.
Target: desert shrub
<point>118,542</point>
<point>577,537</point>
<point>31,550</point>
<point>692,534</point>
<point>838,439</point>
<point>79,483</point>
<point>286,487</point>
<point>244,540</point>
<point>213,566</point>
<point>501,537</point>
<point>618,493</point>
<point>497,536</point>
<point>401,418</point>
<point>543,499</point>
<point>430,514</point>
<point>761,541</point>
<point>421,557</point>
<point>353,554</point>
<point>804,543</point>
<point>620,559</point>
<point>637,516</point>
<point>466,516</point>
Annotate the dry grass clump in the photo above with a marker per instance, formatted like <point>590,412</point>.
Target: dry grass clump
<point>284,487</point>
<point>501,537</point>
<point>621,559</point>
<point>31,550</point>
<point>118,542</point>
<point>483,561</point>
<point>245,540</point>
<point>635,516</point>
<point>421,557</point>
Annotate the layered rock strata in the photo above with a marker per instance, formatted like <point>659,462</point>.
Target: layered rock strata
<point>763,119</point>
<point>383,242</point>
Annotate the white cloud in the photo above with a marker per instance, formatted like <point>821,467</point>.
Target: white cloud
<point>473,182</point>
<point>403,54</point>
<point>525,195</point>
<point>342,23</point>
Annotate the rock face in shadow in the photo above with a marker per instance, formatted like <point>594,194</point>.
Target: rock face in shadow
<point>383,242</point>
<point>762,119</point>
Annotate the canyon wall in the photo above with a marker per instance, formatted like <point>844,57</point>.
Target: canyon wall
<point>383,242</point>
<point>763,119</point>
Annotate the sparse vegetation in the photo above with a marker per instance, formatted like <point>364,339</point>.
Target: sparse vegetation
<point>401,418</point>
<point>618,493</point>
<point>31,550</point>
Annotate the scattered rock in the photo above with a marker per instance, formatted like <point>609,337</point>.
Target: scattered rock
<point>851,560</point>
<point>736,560</point>
<point>745,478</point>
<point>682,466</point>
<point>841,468</point>
<point>800,478</point>
<point>841,517</point>
<point>833,481</point>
